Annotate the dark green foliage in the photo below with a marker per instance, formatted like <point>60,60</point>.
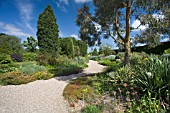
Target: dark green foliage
<point>30,44</point>
<point>46,60</point>
<point>17,57</point>
<point>47,32</point>
<point>67,46</point>
<point>82,47</point>
<point>10,44</point>
<point>150,50</point>
<point>66,69</point>
<point>153,50</point>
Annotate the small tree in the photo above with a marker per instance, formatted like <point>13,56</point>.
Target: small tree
<point>106,50</point>
<point>10,44</point>
<point>47,31</point>
<point>72,47</point>
<point>95,53</point>
<point>30,44</point>
<point>82,47</point>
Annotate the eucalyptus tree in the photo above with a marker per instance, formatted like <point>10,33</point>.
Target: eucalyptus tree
<point>158,27</point>
<point>112,18</point>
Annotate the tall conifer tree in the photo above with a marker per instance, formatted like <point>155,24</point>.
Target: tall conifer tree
<point>47,31</point>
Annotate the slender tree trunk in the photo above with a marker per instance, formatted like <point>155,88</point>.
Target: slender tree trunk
<point>127,53</point>
<point>127,36</point>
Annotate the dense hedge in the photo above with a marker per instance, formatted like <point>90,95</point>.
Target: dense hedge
<point>155,50</point>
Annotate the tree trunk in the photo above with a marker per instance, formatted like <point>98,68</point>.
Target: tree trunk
<point>127,53</point>
<point>127,36</point>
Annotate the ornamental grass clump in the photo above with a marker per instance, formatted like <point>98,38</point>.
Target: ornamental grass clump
<point>153,76</point>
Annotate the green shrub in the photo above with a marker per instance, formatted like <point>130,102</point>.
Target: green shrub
<point>80,62</point>
<point>167,51</point>
<point>120,55</point>
<point>15,78</point>
<point>51,60</point>
<point>5,59</point>
<point>105,62</point>
<point>123,75</point>
<point>29,56</point>
<point>8,67</point>
<point>91,109</point>
<point>66,69</point>
<point>137,58</point>
<point>29,68</point>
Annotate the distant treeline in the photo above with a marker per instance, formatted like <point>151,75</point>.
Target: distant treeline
<point>155,50</point>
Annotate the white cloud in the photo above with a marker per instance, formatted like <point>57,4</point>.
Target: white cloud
<point>158,16</point>
<point>64,1</point>
<point>75,36</point>
<point>136,23</point>
<point>82,1</point>
<point>61,34</point>
<point>12,30</point>
<point>97,26</point>
<point>61,4</point>
<point>26,10</point>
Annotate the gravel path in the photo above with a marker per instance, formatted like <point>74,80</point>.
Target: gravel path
<point>41,96</point>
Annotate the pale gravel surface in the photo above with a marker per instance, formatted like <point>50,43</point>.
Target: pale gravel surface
<point>41,96</point>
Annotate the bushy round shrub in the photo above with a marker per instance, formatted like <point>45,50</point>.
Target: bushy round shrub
<point>51,60</point>
<point>29,56</point>
<point>167,51</point>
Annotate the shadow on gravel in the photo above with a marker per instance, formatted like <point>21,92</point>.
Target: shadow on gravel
<point>72,77</point>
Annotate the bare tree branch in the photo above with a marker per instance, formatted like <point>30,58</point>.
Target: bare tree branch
<point>116,40</point>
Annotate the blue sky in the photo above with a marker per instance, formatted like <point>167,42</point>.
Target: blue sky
<point>19,17</point>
